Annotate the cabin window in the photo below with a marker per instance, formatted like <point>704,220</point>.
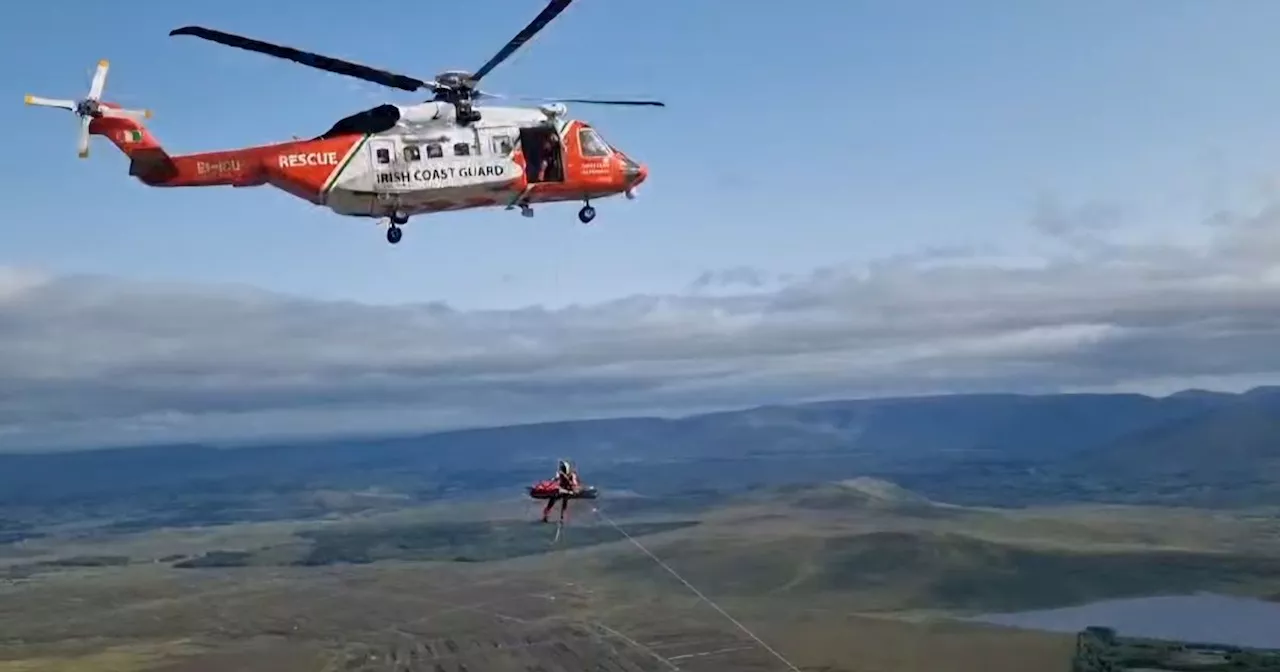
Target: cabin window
<point>383,154</point>
<point>461,149</point>
<point>434,151</point>
<point>412,153</point>
<point>502,145</point>
<point>591,143</point>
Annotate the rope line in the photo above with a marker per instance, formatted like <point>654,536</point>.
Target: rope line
<point>638,645</point>
<point>695,591</point>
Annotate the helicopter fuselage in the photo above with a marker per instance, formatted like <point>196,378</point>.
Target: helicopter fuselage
<point>428,163</point>
<point>397,161</point>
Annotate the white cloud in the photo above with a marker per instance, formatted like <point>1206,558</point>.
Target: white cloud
<point>104,359</point>
<point>16,282</point>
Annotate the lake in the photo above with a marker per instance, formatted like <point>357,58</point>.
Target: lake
<point>1203,617</point>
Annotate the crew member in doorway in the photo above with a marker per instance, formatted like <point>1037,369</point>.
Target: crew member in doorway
<point>567,479</point>
<point>550,171</point>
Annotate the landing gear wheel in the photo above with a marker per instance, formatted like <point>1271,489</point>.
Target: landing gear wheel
<point>393,234</point>
<point>586,214</point>
<point>399,219</point>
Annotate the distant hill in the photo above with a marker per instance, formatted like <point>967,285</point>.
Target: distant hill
<point>1204,395</point>
<point>966,573</point>
<point>1240,439</point>
<point>1225,454</point>
<point>964,448</point>
<point>860,493</point>
<point>1265,392</point>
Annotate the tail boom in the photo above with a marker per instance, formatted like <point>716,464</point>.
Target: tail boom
<point>303,168</point>
<point>154,167</point>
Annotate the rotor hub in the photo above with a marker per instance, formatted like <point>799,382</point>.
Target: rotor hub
<point>455,79</point>
<point>88,108</point>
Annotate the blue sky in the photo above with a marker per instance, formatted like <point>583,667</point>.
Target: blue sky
<point>920,123</point>
<point>1074,149</point>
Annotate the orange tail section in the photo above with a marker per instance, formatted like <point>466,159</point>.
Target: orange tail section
<point>154,167</point>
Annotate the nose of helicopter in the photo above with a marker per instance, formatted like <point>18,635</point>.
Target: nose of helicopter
<point>632,172</point>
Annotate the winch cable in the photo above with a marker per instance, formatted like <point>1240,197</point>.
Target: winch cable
<point>693,589</point>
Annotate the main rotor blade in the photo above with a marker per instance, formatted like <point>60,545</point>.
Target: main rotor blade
<point>549,13</point>
<point>577,101</point>
<point>317,61</point>
<point>592,101</point>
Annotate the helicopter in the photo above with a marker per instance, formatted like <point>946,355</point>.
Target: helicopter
<point>392,162</point>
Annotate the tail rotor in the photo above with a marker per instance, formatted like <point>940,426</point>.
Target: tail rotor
<point>90,107</point>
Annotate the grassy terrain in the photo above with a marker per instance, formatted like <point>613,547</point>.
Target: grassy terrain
<point>886,551</point>
<point>919,570</point>
<point>465,541</point>
<point>858,575</point>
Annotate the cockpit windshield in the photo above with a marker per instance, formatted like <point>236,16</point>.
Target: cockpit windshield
<point>592,144</point>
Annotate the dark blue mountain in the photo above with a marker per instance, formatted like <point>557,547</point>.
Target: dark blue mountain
<point>979,442</point>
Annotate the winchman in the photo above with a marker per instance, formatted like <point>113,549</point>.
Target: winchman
<point>567,479</point>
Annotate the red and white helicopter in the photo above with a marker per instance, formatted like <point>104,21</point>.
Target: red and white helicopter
<point>394,161</point>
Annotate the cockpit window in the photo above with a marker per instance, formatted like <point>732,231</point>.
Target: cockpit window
<point>592,144</point>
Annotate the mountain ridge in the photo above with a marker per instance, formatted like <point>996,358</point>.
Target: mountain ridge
<point>966,447</point>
